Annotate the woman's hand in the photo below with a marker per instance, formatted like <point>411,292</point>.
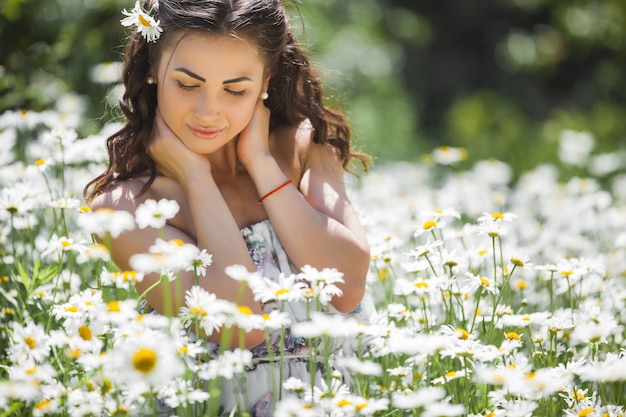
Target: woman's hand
<point>172,157</point>
<point>254,139</point>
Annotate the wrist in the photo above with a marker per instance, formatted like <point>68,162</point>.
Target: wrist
<point>197,179</point>
<point>260,164</point>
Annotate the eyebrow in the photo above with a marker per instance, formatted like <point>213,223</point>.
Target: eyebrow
<point>237,80</point>
<point>201,78</point>
<point>191,74</point>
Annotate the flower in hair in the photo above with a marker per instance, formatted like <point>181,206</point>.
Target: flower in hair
<point>145,23</point>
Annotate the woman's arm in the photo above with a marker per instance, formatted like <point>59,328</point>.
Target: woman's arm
<point>315,222</point>
<point>212,223</point>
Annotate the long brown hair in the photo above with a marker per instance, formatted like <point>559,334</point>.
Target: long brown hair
<point>295,88</point>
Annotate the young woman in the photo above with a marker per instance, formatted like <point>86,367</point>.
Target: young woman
<point>224,114</point>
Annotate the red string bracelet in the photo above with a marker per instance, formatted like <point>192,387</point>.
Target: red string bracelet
<point>283,185</point>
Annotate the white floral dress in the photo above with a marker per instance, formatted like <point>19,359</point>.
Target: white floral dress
<point>255,389</point>
<point>270,259</point>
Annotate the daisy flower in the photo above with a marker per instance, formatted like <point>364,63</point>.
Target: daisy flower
<point>29,341</point>
<point>120,279</point>
<point>322,284</point>
<point>93,252</point>
<point>171,255</point>
<point>417,399</point>
<point>287,288</point>
<point>227,365</point>
<point>59,244</point>
<point>326,325</point>
<point>474,282</point>
<point>155,214</point>
<point>105,221</point>
<point>149,28</point>
<point>449,155</point>
<point>83,402</point>
<point>65,203</point>
<point>357,366</point>
<point>294,407</point>
<point>275,320</point>
<point>146,358</point>
<point>207,309</point>
<point>200,263</point>
<point>182,393</point>
<point>18,390</point>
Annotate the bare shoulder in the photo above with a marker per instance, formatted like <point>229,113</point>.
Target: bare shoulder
<point>295,143</point>
<point>125,195</point>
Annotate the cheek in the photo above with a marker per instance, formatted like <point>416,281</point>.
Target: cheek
<point>241,113</point>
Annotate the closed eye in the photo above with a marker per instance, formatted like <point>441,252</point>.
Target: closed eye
<point>186,86</point>
<point>236,92</point>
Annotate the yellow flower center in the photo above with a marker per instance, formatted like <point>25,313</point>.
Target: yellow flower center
<point>522,285</point>
<point>429,225</point>
<point>144,360</point>
<point>566,274</point>
<point>513,336</point>
<point>244,310</point>
<point>463,333</point>
<point>585,411</point>
<point>198,310</point>
<point>39,162</point>
<point>129,276</point>
<point>114,306</point>
<point>421,284</point>
<point>383,273</point>
<point>359,407</point>
<point>71,309</point>
<point>343,402</point>
<point>450,374</point>
<point>281,292</point>
<point>497,216</point>
<point>85,333</point>
<point>30,342</point>
<point>143,20</point>
<point>42,405</point>
<point>84,209</point>
<point>484,282</point>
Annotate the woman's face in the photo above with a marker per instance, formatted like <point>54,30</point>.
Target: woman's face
<point>207,88</point>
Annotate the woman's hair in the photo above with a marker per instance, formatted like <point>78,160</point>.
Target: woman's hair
<point>295,89</point>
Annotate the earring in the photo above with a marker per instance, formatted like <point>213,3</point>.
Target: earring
<point>150,80</point>
<point>264,95</point>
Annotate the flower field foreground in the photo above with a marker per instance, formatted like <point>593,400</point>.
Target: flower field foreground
<point>491,300</point>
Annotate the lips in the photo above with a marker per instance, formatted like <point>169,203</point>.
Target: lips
<point>204,132</point>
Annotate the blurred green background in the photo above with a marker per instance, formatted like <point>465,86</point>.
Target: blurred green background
<point>500,78</point>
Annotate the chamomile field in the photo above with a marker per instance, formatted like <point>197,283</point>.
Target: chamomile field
<point>494,296</point>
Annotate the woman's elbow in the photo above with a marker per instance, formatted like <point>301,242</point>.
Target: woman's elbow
<point>351,297</point>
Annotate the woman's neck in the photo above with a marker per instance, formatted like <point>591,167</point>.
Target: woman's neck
<point>225,162</point>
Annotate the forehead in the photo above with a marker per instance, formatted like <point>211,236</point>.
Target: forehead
<point>209,53</point>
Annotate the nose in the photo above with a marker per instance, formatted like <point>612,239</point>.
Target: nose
<point>208,106</point>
